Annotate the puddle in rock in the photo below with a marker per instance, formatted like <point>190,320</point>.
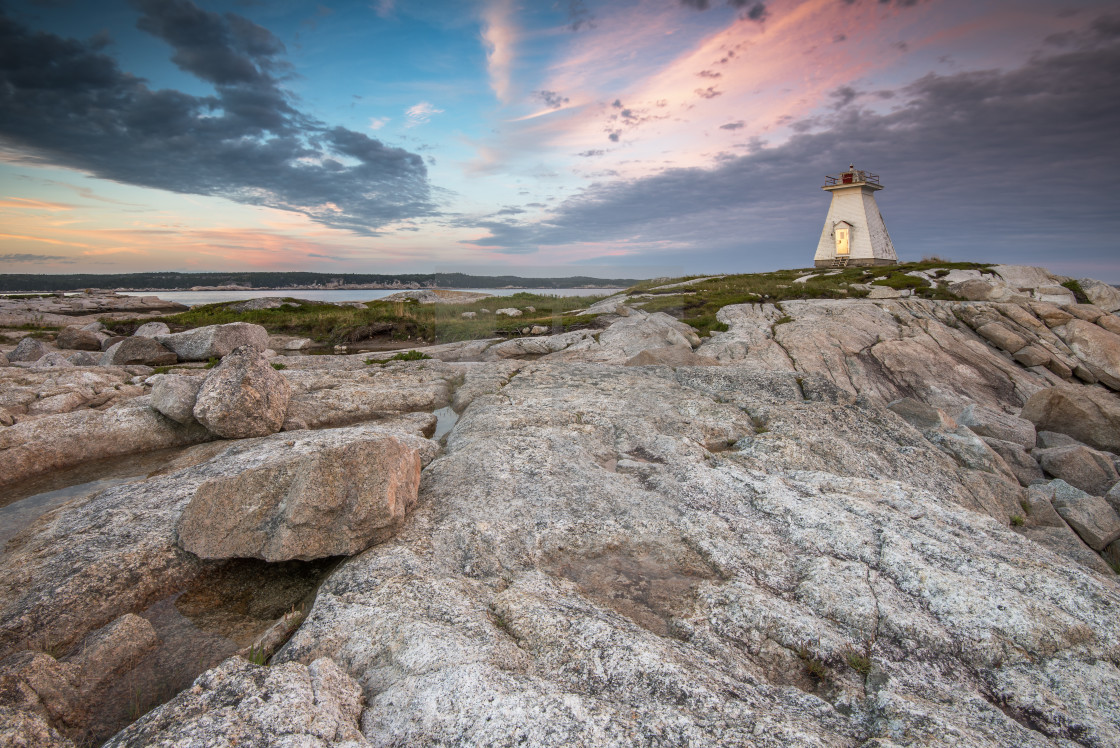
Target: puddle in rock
<point>24,503</point>
<point>446,418</point>
<point>648,591</point>
<point>200,627</point>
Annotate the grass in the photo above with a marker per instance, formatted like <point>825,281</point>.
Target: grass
<point>698,304</point>
<point>328,324</point>
<point>860,663</point>
<point>815,667</point>
<point>257,655</point>
<point>211,363</point>
<point>279,367</point>
<point>1017,520</point>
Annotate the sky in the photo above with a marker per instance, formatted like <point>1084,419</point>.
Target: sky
<point>625,138</point>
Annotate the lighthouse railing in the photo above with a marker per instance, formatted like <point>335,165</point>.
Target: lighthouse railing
<point>851,177</point>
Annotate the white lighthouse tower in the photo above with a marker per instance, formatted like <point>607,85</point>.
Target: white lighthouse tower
<point>854,232</point>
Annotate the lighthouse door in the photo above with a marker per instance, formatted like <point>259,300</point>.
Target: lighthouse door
<point>842,242</point>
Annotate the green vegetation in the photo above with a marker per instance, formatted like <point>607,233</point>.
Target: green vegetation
<point>860,663</point>
<point>408,356</point>
<point>698,303</point>
<point>1078,291</point>
<point>815,667</point>
<point>211,363</point>
<point>279,367</point>
<point>328,324</point>
<point>1016,520</point>
<point>257,655</point>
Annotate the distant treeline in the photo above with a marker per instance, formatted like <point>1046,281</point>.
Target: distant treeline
<point>23,283</point>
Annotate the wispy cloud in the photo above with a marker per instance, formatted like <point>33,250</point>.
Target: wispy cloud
<point>22,257</point>
<point>499,35</point>
<point>376,123</point>
<point>420,114</point>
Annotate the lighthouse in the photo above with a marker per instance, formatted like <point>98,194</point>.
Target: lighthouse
<point>854,232</point>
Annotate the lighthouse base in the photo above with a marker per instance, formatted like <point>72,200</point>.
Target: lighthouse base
<point>855,262</point>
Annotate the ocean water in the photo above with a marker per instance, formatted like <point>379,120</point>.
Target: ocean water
<point>195,298</point>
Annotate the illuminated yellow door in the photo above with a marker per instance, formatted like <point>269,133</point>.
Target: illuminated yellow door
<point>841,241</point>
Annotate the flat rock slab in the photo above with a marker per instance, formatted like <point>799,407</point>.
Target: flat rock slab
<point>309,500</point>
<point>1091,415</point>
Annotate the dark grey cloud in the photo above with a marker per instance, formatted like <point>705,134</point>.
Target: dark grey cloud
<point>21,257</point>
<point>755,11</point>
<point>1008,166</point>
<point>708,93</point>
<point>552,98</point>
<point>733,125</point>
<point>64,101</point>
<point>843,96</point>
<point>709,74</point>
<point>591,153</point>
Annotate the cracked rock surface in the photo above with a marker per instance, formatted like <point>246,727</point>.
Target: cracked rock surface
<point>609,556</point>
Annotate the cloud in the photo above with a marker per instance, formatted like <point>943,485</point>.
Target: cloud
<point>1012,166</point>
<point>755,11</point>
<point>420,114</point>
<point>591,153</point>
<point>499,37</point>
<point>708,93</point>
<point>552,99</point>
<point>376,123</point>
<point>384,8</point>
<point>15,258</point>
<point>67,103</point>
<point>579,17</point>
<point>733,125</point>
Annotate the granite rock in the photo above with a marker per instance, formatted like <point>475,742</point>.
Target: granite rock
<point>243,396</point>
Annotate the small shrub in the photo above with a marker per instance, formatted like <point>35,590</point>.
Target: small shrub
<point>815,667</point>
<point>279,367</point>
<point>1026,507</point>
<point>1078,291</point>
<point>1016,520</point>
<point>211,363</point>
<point>860,663</point>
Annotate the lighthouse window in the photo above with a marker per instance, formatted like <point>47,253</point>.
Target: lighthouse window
<point>841,241</point>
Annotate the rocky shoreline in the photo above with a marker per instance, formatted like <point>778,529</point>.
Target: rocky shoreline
<point>862,522</point>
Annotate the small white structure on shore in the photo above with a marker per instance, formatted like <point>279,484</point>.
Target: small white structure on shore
<point>854,232</point>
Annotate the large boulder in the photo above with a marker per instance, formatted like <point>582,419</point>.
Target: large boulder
<point>1080,466</point>
<point>52,360</point>
<point>29,349</point>
<point>1105,296</point>
<point>1091,517</point>
<point>151,329</point>
<point>215,341</point>
<point>76,338</point>
<point>1097,348</point>
<point>305,503</point>
<point>1090,415</point>
<point>242,396</point>
<point>239,703</point>
<point>175,395</point>
<point>145,351</point>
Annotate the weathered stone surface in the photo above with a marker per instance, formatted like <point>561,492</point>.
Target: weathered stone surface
<point>1097,348</point>
<point>1021,463</point>
<point>4,359</point>
<point>508,312</point>
<point>89,562</point>
<point>243,396</point>
<point>78,339</point>
<point>1080,466</point>
<point>674,355</point>
<point>581,570</point>
<point>922,416</point>
<point>1051,439</point>
<point>25,729</point>
<point>1039,509</point>
<point>174,395</point>
<point>238,703</point>
<point>333,398</point>
<point>1113,498</point>
<point>151,329</point>
<point>1065,542</point>
<point>1103,295</point>
<point>1032,355</point>
<point>51,360</point>
<point>38,446</point>
<point>111,340</point>
<point>1090,516</point>
<point>298,344</point>
<point>629,336</point>
<point>1051,314</point>
<point>998,425</point>
<point>215,341</point>
<point>334,501</point>
<point>28,349</point>
<point>1087,312</point>
<point>1002,336</point>
<point>84,358</point>
<point>1090,415</point>
<point>536,346</point>
<point>886,292</point>
<point>144,351</point>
